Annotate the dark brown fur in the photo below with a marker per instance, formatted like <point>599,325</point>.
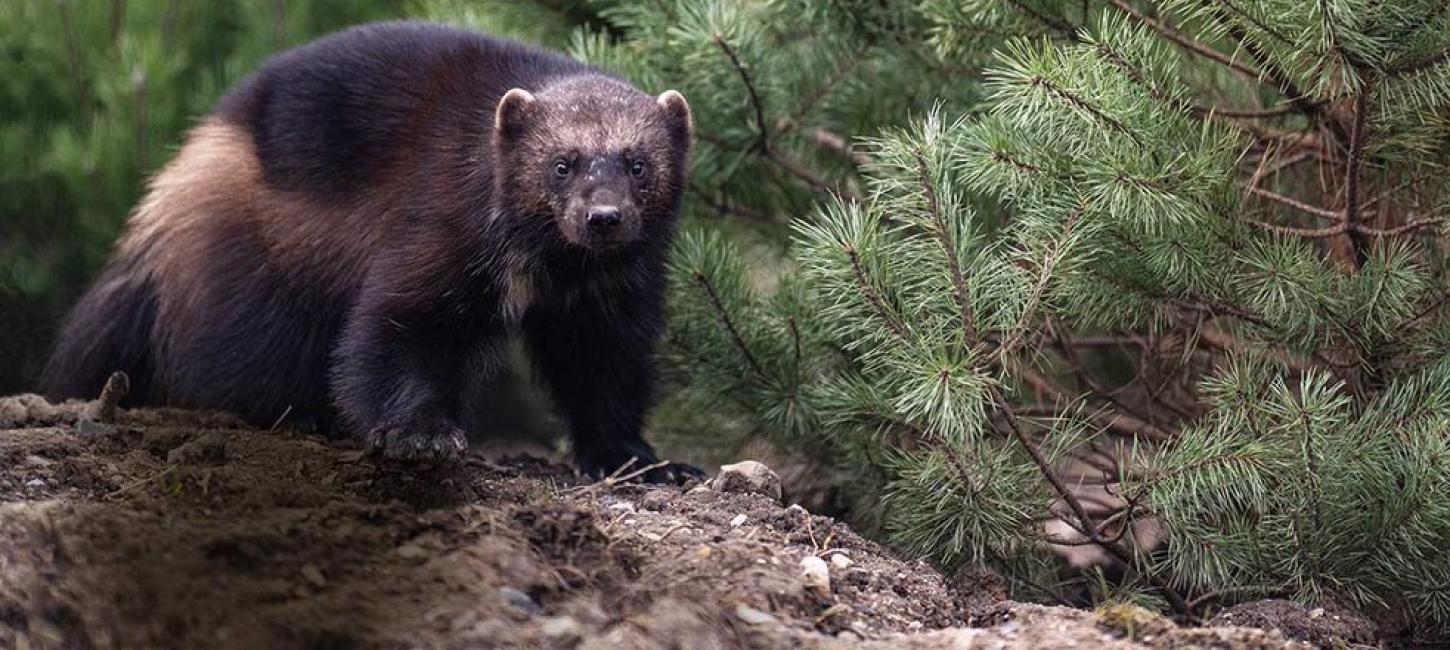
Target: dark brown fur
<point>351,236</point>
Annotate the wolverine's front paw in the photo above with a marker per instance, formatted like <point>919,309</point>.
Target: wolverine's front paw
<point>418,443</point>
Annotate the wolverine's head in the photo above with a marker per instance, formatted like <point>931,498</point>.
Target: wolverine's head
<point>605,162</point>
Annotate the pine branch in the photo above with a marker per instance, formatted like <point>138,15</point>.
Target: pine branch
<point>1279,36</point>
<point>1399,230</point>
<point>1185,41</point>
<point>1307,233</point>
<point>1108,419</point>
<point>763,143</point>
<point>1086,525</point>
<point>724,316</point>
<point>1075,101</point>
<point>1066,29</point>
<point>959,283</point>
<point>1271,72</point>
<point>1049,264</point>
<point>873,297</point>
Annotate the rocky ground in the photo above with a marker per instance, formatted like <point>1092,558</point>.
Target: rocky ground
<point>157,529</point>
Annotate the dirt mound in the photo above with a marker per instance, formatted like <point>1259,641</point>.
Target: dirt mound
<point>185,530</point>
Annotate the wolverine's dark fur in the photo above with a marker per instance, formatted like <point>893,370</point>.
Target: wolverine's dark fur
<point>358,227</point>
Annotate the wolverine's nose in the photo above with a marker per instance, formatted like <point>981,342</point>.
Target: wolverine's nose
<point>602,219</point>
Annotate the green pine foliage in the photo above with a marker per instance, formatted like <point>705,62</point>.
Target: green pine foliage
<point>1179,269</point>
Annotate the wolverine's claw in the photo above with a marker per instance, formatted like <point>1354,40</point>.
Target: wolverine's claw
<point>416,444</point>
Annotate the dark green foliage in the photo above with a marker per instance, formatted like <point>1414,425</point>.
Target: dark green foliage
<point>1179,270</point>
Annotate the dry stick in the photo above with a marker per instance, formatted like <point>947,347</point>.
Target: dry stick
<point>1085,521</point>
<point>104,408</point>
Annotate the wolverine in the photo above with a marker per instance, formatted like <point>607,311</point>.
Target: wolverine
<point>354,233</point>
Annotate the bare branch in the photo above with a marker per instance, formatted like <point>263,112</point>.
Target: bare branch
<point>1297,204</point>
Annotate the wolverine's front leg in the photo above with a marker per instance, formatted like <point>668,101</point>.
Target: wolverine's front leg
<point>400,366</point>
<point>596,359</point>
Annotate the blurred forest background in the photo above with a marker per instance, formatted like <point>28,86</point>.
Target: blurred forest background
<point>1159,280</point>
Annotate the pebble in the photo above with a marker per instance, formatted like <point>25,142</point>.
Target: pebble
<point>753,616</point>
<point>314,575</point>
<point>738,521</point>
<point>519,600</point>
<point>816,574</point>
<point>410,551</point>
<point>840,561</point>
<point>35,483</point>
<point>562,628</point>
<point>748,477</point>
<point>623,506</point>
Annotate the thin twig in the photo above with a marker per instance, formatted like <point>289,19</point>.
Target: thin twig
<point>1399,230</point>
<point>729,324</point>
<point>1357,239</point>
<point>1307,233</point>
<point>1184,41</point>
<point>764,141</point>
<point>1297,204</point>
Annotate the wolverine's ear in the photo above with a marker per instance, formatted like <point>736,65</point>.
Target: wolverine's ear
<point>512,112</point>
<point>678,109</point>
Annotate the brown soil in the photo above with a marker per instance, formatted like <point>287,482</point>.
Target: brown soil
<point>186,530</point>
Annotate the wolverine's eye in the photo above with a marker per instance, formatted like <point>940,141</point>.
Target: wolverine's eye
<point>637,169</point>
<point>561,169</point>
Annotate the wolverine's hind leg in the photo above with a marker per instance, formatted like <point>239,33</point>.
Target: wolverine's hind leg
<point>109,330</point>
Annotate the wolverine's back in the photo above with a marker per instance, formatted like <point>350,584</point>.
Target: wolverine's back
<point>231,284</point>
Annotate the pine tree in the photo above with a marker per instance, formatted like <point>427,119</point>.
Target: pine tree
<point>1180,269</point>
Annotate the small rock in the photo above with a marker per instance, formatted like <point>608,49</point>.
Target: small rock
<point>840,561</point>
<point>519,601</point>
<point>36,461</point>
<point>205,448</point>
<point>815,574</point>
<point>314,575</point>
<point>753,616</point>
<point>410,551</point>
<point>561,628</point>
<point>35,483</point>
<point>623,507</point>
<point>738,521</point>
<point>89,427</point>
<point>797,509</point>
<point>1317,612</point>
<point>748,477</point>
